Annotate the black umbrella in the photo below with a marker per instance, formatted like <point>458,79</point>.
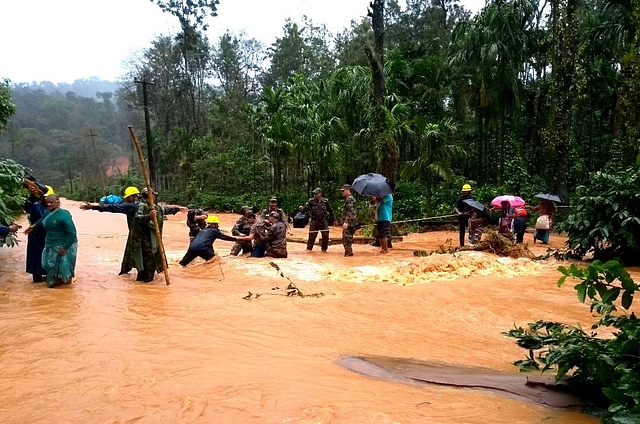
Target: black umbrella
<point>549,196</point>
<point>477,205</point>
<point>373,185</point>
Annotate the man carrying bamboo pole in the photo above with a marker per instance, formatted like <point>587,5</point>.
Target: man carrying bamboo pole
<point>144,241</point>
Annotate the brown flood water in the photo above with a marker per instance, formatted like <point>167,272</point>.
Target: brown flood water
<point>109,350</point>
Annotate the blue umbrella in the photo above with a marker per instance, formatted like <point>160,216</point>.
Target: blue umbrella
<point>477,205</point>
<point>549,196</point>
<point>372,185</point>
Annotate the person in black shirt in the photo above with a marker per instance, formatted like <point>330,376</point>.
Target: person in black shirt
<point>202,244</point>
<point>195,220</point>
<point>464,211</point>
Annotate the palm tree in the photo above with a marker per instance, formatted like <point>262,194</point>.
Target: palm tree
<point>437,151</point>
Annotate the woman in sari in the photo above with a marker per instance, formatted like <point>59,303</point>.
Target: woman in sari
<point>61,243</point>
<point>544,224</point>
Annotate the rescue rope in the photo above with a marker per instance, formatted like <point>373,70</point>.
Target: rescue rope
<point>399,222</point>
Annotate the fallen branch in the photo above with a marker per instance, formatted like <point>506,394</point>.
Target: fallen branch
<point>289,291</point>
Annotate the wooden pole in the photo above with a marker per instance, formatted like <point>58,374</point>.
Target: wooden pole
<point>151,200</point>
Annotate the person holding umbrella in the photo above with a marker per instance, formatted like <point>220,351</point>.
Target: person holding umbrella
<point>477,221</point>
<point>384,212</point>
<point>506,204</point>
<point>546,210</point>
<point>464,211</point>
<point>381,188</point>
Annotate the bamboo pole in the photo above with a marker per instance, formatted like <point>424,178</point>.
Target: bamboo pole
<point>151,200</point>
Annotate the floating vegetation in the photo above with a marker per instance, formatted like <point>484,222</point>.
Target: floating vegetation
<point>290,291</point>
<point>492,242</point>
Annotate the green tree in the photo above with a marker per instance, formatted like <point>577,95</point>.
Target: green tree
<point>7,108</point>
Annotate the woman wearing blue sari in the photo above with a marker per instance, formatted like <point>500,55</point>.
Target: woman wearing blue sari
<point>61,243</point>
<point>36,209</point>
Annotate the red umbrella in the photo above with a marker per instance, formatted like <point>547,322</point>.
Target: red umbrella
<point>514,201</point>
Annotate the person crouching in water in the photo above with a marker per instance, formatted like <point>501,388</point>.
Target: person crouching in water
<point>477,222</point>
<point>277,241</point>
<point>202,244</point>
<point>242,228</point>
<point>258,234</point>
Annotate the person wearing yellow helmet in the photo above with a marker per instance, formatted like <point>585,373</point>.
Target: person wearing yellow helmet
<point>464,211</point>
<point>202,245</point>
<point>129,192</point>
<point>128,207</point>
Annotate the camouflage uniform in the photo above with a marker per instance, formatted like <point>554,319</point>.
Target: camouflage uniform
<point>349,217</point>
<point>241,228</point>
<point>195,226</point>
<point>320,212</point>
<point>277,244</point>
<point>281,216</point>
<point>260,232</point>
<point>144,244</point>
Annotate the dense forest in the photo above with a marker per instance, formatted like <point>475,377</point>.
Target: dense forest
<point>525,96</point>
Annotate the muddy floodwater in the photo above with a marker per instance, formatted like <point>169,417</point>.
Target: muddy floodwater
<point>109,350</point>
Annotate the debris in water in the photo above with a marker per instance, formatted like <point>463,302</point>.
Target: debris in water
<point>491,242</point>
<point>289,291</point>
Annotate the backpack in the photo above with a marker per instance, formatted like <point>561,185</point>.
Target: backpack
<point>111,199</point>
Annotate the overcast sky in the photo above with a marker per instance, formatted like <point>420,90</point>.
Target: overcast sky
<point>65,40</point>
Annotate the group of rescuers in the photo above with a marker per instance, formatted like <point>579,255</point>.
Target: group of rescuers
<point>258,235</point>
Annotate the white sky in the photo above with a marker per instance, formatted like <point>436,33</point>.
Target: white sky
<point>65,40</point>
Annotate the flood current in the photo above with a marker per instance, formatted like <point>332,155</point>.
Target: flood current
<point>107,349</point>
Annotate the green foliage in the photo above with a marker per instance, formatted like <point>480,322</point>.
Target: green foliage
<point>605,217</point>
<point>606,370</point>
<point>191,13</point>
<point>409,201</point>
<point>7,108</point>
<point>12,194</point>
<point>78,190</point>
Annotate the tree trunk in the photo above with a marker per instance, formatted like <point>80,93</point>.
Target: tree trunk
<point>559,134</point>
<point>385,145</point>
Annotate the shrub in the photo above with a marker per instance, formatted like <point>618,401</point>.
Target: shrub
<point>605,217</point>
<point>606,371</point>
<point>12,194</point>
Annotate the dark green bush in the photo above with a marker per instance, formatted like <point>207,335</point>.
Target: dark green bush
<point>605,217</point>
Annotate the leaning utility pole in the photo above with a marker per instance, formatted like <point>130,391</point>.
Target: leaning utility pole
<point>145,105</point>
<point>94,154</point>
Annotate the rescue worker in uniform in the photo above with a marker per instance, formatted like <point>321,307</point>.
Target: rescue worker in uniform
<point>195,220</point>
<point>129,206</point>
<point>202,244</point>
<point>321,214</point>
<point>277,241</point>
<point>145,244</point>
<point>273,207</point>
<point>259,235</point>
<point>348,218</point>
<point>242,228</point>
<point>464,211</point>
